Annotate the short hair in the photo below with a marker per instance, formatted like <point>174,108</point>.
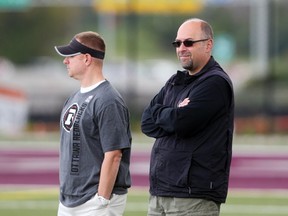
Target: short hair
<point>206,28</point>
<point>92,40</point>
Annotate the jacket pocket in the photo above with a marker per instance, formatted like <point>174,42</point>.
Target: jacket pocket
<point>173,167</point>
<point>207,172</point>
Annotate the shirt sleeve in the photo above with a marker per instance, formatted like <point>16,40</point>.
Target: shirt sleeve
<point>114,127</point>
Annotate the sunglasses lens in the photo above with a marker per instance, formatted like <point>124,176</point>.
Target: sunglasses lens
<point>176,43</point>
<point>188,43</point>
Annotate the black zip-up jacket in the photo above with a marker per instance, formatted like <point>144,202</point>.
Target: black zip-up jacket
<point>192,153</point>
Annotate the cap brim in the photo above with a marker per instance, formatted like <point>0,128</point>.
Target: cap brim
<point>66,51</point>
<point>76,48</point>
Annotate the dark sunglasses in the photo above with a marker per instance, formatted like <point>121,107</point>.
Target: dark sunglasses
<point>187,43</point>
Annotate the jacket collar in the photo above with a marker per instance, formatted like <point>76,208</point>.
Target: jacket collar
<point>183,77</point>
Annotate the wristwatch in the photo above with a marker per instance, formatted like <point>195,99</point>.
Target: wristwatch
<point>103,200</point>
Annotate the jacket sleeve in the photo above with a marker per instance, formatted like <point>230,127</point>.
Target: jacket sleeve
<point>206,100</point>
<point>148,123</point>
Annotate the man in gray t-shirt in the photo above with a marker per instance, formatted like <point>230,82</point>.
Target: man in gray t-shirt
<point>95,135</point>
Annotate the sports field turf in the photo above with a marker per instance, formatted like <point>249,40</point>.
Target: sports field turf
<point>16,200</point>
<point>43,202</point>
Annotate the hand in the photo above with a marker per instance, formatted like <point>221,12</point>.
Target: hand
<point>101,200</point>
<point>184,102</point>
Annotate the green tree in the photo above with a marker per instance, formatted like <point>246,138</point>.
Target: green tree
<point>28,34</point>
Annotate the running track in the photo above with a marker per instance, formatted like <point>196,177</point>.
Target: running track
<point>40,167</point>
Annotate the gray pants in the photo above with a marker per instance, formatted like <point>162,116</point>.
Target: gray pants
<point>161,206</point>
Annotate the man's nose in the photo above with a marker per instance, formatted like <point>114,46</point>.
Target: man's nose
<point>65,61</point>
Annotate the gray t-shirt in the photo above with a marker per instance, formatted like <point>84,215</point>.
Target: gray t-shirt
<point>91,124</point>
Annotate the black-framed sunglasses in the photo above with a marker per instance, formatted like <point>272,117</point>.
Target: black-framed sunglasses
<point>187,43</point>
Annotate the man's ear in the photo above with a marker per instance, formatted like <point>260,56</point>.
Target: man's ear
<point>209,45</point>
<point>88,59</point>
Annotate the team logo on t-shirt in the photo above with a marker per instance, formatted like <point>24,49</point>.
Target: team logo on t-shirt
<point>69,117</point>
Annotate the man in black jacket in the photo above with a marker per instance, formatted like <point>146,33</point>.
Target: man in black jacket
<point>192,120</point>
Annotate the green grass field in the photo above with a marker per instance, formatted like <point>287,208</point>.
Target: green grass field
<point>43,202</point>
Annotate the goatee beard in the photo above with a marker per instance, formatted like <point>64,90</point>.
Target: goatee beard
<point>188,67</point>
